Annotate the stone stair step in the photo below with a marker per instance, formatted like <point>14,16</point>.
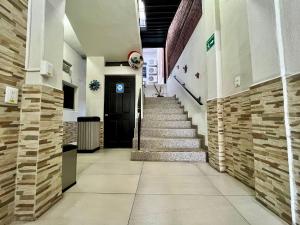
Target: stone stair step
<point>171,150</point>
<point>190,156</point>
<point>168,133</point>
<point>163,104</point>
<point>158,100</point>
<point>163,110</point>
<point>166,117</point>
<point>164,143</point>
<point>166,124</point>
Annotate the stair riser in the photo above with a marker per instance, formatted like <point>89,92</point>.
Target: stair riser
<point>168,143</point>
<point>166,117</point>
<point>162,105</point>
<point>168,133</point>
<point>164,110</point>
<point>169,102</point>
<point>169,156</point>
<point>166,124</point>
<point>159,100</point>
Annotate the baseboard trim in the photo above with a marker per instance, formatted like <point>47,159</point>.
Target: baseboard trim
<point>88,150</point>
<point>67,188</point>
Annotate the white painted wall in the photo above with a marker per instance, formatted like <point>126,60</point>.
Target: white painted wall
<point>209,17</point>
<point>45,41</point>
<point>96,70</point>
<point>54,39</point>
<point>78,79</point>
<point>194,56</point>
<point>262,31</point>
<point>235,45</point>
<point>291,29</point>
<point>249,49</point>
<point>150,91</point>
<point>94,99</point>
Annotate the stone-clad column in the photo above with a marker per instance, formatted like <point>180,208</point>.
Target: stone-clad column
<point>38,182</point>
<point>216,134</point>
<point>40,152</point>
<point>294,116</point>
<point>12,63</point>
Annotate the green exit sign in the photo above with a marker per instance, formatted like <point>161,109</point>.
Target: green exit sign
<point>210,42</point>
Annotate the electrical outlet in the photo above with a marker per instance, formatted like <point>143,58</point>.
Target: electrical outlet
<point>237,81</point>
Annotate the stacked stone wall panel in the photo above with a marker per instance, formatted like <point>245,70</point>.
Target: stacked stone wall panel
<point>40,152</point>
<point>13,25</point>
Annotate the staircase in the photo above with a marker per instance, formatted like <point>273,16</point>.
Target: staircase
<point>166,134</point>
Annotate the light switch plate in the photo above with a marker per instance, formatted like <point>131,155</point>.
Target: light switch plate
<point>237,81</point>
<point>11,95</point>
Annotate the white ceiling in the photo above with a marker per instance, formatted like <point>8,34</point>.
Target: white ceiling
<point>105,28</point>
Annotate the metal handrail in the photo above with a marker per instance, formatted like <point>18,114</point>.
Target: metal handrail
<point>139,119</point>
<point>198,100</point>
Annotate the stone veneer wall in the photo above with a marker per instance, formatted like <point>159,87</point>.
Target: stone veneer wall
<point>216,134</point>
<point>13,23</point>
<point>101,139</point>
<point>294,116</point>
<point>256,147</point>
<point>270,147</point>
<point>238,140</point>
<point>70,132</point>
<point>40,153</point>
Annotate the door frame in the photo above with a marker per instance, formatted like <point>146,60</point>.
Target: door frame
<point>135,104</point>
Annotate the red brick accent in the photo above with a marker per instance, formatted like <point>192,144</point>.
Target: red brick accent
<point>181,29</point>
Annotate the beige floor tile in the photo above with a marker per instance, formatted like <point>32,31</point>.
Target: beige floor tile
<point>184,210</point>
<point>208,170</point>
<point>88,158</point>
<point>254,212</point>
<point>168,194</point>
<point>124,168</point>
<point>114,155</point>
<point>228,185</point>
<point>82,166</point>
<point>176,185</point>
<point>107,155</point>
<point>88,209</point>
<point>171,169</point>
<point>126,184</point>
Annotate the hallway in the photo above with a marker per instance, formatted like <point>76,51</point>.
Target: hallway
<point>211,85</point>
<point>112,190</point>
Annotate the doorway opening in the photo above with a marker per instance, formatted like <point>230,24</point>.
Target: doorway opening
<point>154,75</point>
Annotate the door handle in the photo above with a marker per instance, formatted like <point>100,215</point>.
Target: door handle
<point>106,115</point>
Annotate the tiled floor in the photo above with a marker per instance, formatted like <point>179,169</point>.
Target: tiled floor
<point>111,190</point>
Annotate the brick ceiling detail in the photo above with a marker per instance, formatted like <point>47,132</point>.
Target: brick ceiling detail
<point>181,29</point>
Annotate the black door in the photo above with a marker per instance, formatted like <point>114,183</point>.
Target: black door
<point>119,111</point>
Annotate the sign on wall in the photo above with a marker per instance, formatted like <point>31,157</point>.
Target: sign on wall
<point>11,95</point>
<point>210,42</point>
<point>120,88</point>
